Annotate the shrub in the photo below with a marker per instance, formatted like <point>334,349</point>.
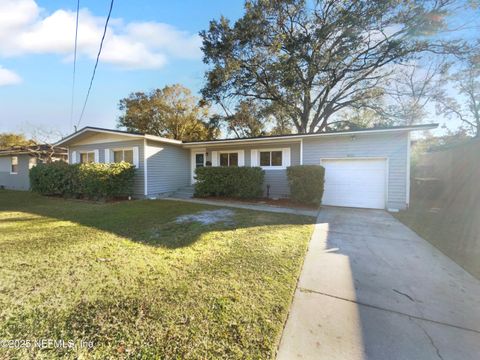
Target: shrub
<point>306,183</point>
<point>51,179</point>
<point>93,181</point>
<point>235,182</point>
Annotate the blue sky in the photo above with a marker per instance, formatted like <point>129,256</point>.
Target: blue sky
<point>149,44</point>
<point>39,93</point>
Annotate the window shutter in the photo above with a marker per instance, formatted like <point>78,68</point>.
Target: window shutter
<point>107,156</point>
<point>241,158</point>
<point>286,157</point>
<point>253,158</point>
<point>97,156</point>
<point>136,158</point>
<point>214,158</point>
<point>73,159</point>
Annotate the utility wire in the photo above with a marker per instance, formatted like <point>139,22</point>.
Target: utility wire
<point>96,63</point>
<point>74,64</point>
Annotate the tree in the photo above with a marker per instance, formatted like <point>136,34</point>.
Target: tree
<point>11,139</point>
<point>314,59</point>
<point>355,119</point>
<point>44,144</point>
<point>247,120</point>
<point>282,123</point>
<point>283,126</point>
<point>410,91</point>
<point>463,100</point>
<point>171,112</point>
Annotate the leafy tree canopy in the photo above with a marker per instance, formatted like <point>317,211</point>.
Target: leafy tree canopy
<point>247,121</point>
<point>11,139</point>
<point>463,101</point>
<point>313,59</point>
<point>171,112</point>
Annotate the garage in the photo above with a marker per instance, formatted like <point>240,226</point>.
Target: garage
<point>355,182</point>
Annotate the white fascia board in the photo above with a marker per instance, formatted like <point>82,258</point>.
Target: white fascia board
<point>304,136</point>
<point>162,139</point>
<point>74,135</point>
<point>106,131</point>
<point>222,143</point>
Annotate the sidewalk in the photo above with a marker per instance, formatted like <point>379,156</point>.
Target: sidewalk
<point>240,205</point>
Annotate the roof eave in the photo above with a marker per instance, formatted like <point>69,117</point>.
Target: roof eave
<point>302,136</point>
<point>67,139</point>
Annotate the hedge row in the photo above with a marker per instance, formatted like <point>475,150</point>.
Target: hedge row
<point>92,181</point>
<point>306,183</point>
<point>235,182</point>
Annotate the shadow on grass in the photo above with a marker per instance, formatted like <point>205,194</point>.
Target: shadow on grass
<point>148,222</point>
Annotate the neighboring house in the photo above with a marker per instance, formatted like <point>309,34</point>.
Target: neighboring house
<point>16,162</point>
<point>364,168</point>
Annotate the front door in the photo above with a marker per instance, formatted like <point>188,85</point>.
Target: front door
<point>198,160</point>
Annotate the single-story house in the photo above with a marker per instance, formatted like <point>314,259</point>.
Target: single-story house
<point>368,168</point>
<point>16,162</point>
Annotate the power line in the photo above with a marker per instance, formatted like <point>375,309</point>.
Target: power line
<point>74,64</point>
<point>96,63</point>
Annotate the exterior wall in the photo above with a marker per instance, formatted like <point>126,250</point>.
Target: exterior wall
<point>277,179</point>
<point>393,146</point>
<point>19,181</point>
<point>139,185</point>
<point>168,168</point>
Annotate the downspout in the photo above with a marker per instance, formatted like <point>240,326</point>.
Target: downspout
<point>301,151</point>
<point>408,169</point>
<point>145,167</point>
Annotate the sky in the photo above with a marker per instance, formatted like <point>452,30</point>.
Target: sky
<point>149,44</point>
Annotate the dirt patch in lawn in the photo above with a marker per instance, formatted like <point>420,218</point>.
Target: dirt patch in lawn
<point>208,217</point>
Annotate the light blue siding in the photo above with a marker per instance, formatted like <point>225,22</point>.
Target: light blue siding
<point>18,181</point>
<point>168,168</point>
<point>276,179</point>
<point>393,146</point>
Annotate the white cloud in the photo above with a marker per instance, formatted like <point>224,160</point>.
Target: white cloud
<point>26,29</point>
<point>8,77</point>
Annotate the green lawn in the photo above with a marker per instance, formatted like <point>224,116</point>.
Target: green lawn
<point>138,284</point>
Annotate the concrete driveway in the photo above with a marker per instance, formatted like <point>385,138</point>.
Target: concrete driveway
<point>371,288</point>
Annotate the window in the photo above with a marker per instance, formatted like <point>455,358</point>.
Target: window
<point>123,155</point>
<point>229,159</point>
<point>270,158</point>
<point>32,162</point>
<point>14,167</point>
<point>199,160</point>
<point>87,157</point>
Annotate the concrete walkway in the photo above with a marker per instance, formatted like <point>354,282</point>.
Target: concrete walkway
<point>256,207</point>
<point>371,288</point>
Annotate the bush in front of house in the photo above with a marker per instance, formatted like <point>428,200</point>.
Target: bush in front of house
<point>235,182</point>
<point>306,183</point>
<point>51,179</point>
<point>104,181</point>
<point>91,181</point>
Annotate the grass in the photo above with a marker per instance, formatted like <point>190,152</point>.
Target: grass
<point>129,278</point>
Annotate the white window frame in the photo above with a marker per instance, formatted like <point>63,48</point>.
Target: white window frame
<point>286,154</point>
<point>86,152</point>
<point>11,165</point>
<point>228,158</point>
<point>112,157</point>
<point>216,156</point>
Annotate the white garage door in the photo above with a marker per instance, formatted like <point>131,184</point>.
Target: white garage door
<point>355,183</point>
